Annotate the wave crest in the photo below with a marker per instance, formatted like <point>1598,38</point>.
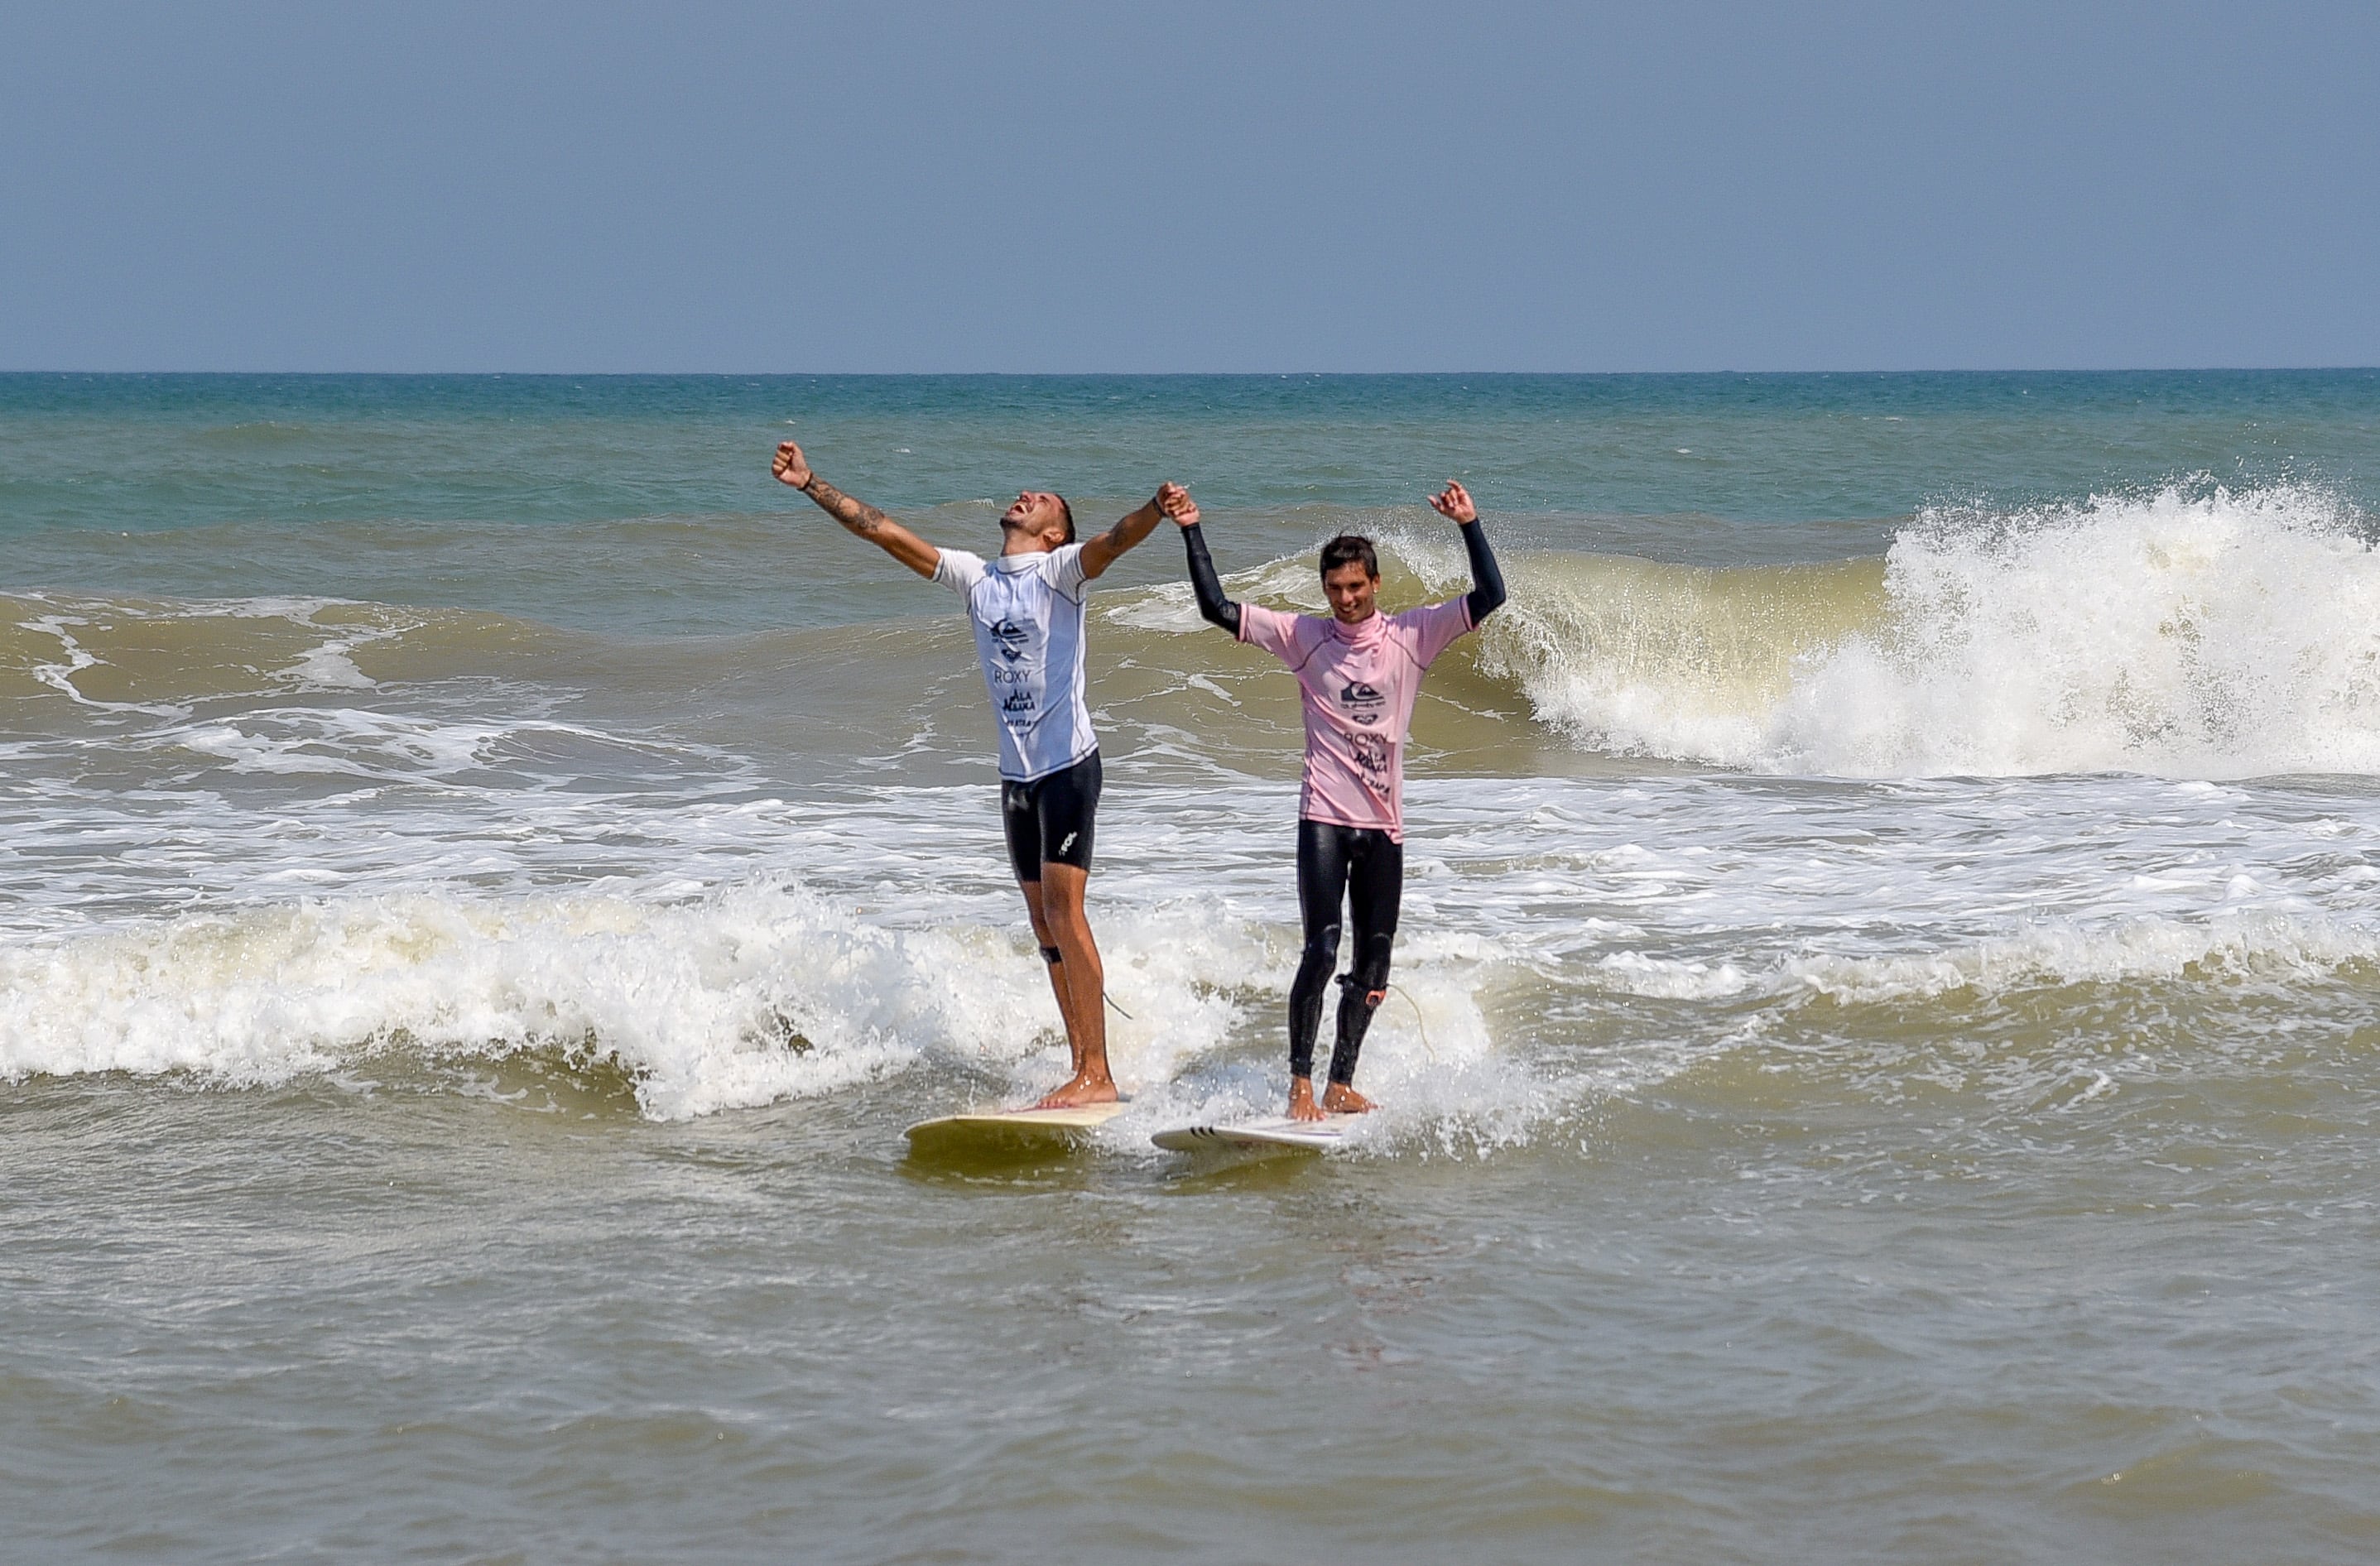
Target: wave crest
<point>2194,631</point>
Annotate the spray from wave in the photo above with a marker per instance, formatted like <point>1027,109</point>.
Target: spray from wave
<point>2194,631</point>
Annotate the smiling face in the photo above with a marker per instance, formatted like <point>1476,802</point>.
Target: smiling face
<point>1351,588</point>
<point>1037,520</point>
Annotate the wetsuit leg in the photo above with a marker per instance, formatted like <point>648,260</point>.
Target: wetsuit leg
<point>1068,803</point>
<point>1376,886</point>
<point>1052,819</point>
<point>1321,884</point>
<point>1020,822</point>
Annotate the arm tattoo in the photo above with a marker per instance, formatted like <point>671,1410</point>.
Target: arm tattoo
<point>855,514</point>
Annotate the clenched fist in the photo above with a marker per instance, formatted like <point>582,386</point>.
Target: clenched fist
<point>790,466</point>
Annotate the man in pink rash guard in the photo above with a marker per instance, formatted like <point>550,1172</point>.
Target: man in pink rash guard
<point>1358,673</point>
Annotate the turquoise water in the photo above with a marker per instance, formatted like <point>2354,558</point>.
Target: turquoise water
<point>171,450</point>
<point>1882,1069</point>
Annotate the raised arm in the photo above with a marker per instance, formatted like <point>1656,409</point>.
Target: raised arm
<point>857,516</point>
<point>1109,547</point>
<point>1219,609</point>
<point>1486,581</point>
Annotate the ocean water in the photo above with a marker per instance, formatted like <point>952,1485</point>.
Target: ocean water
<point>1884,1064</point>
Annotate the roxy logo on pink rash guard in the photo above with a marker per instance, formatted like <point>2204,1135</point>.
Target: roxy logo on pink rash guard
<point>1357,684</point>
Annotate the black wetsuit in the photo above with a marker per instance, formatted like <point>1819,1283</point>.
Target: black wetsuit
<point>1363,867</point>
<point>1051,821</point>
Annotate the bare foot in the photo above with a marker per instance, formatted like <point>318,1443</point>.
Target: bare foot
<point>1079,1089</point>
<point>1340,1099</point>
<point>1301,1099</point>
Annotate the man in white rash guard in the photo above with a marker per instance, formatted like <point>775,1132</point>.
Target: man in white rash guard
<point>1027,608</point>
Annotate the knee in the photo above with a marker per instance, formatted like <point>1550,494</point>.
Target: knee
<point>1066,924</point>
<point>1323,947</point>
<point>1062,895</point>
<point>1071,936</point>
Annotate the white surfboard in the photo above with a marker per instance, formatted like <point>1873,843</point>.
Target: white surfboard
<point>1011,1130</point>
<point>1272,1134</point>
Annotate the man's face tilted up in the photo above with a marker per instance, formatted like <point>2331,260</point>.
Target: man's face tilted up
<point>1037,520</point>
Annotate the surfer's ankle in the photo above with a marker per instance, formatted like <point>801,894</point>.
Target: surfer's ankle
<point>1079,1089</point>
<point>1301,1099</point>
<point>1340,1099</point>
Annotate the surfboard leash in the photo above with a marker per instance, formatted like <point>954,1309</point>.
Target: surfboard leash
<point>1419,1026</point>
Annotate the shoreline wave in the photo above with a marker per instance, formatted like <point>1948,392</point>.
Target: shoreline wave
<point>761,992</point>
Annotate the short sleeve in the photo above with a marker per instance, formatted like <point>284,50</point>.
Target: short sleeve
<point>1065,570</point>
<point>1434,628</point>
<point>1269,629</point>
<point>958,570</point>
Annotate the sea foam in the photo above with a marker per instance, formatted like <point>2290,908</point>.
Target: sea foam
<point>2192,631</point>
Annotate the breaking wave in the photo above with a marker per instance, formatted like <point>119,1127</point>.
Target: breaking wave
<point>2194,631</point>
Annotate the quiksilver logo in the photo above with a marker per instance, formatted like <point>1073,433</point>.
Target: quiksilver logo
<point>1362,702</point>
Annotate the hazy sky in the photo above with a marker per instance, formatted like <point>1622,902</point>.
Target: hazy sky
<point>1109,186</point>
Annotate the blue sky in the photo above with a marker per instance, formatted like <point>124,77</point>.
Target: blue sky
<point>1214,187</point>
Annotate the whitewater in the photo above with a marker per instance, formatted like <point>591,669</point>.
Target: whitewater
<point>705,920</point>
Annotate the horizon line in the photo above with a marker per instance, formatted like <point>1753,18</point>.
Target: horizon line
<point>1223,374</point>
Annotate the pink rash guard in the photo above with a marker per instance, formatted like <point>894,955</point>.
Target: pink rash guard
<point>1358,684</point>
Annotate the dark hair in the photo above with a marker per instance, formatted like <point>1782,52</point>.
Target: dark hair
<point>1351,548</point>
<point>1070,519</point>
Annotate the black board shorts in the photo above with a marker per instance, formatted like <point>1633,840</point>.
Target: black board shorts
<point>1050,820</point>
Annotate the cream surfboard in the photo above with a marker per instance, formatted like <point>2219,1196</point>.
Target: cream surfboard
<point>1272,1134</point>
<point>1011,1130</point>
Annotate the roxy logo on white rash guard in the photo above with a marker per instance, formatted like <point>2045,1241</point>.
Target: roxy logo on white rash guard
<point>1027,614</point>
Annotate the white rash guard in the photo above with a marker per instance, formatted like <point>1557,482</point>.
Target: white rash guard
<point>1028,612</point>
